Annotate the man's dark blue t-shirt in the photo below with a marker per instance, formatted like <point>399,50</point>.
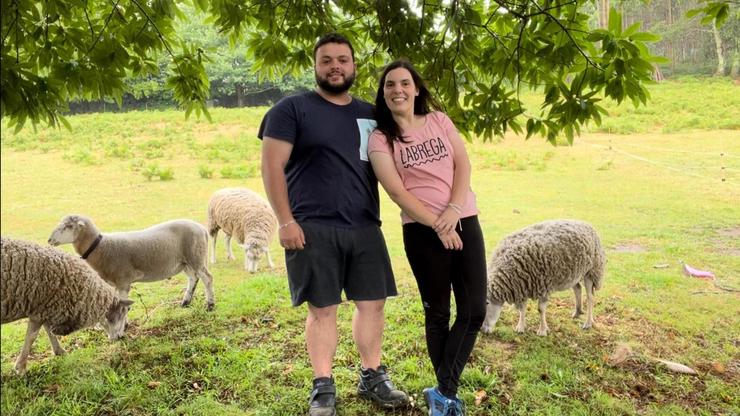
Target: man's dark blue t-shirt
<point>330,180</point>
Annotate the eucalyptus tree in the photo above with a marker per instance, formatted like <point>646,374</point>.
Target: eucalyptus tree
<point>477,55</point>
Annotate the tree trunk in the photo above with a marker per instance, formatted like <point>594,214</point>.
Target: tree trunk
<point>603,13</point>
<point>735,68</point>
<point>239,95</point>
<point>720,56</point>
<point>671,52</point>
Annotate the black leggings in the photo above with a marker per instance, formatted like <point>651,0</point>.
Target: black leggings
<point>436,269</point>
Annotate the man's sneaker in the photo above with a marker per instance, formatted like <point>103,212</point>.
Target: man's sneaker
<point>439,405</point>
<point>323,398</point>
<point>376,385</point>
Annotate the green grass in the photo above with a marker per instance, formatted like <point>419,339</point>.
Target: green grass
<point>655,197</point>
<point>681,104</point>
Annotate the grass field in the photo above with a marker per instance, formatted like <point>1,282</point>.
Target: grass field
<point>664,190</point>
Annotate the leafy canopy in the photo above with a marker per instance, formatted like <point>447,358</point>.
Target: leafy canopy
<point>476,55</point>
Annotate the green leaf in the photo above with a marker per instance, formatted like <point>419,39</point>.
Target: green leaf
<point>645,37</point>
<point>632,29</point>
<point>615,21</point>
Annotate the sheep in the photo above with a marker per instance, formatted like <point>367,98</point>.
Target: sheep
<point>246,215</point>
<point>541,259</point>
<point>55,290</point>
<point>156,253</point>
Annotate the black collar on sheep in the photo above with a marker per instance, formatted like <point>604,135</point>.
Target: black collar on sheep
<point>92,246</point>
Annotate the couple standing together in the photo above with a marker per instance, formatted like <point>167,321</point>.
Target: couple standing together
<point>321,154</point>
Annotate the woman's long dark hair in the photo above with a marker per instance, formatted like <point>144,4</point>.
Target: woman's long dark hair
<point>423,104</point>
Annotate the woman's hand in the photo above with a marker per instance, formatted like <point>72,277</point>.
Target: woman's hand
<point>447,221</point>
<point>451,240</point>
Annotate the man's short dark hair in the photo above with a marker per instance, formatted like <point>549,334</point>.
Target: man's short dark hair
<point>333,38</point>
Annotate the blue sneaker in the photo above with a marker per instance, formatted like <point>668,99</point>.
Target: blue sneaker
<point>439,405</point>
<point>459,407</point>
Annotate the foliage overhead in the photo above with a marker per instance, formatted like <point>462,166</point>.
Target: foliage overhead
<point>716,11</point>
<point>476,55</point>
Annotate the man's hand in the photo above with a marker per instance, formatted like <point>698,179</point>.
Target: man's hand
<point>291,237</point>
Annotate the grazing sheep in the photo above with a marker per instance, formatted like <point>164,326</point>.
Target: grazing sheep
<point>246,215</point>
<point>541,259</point>
<point>156,253</point>
<point>56,290</point>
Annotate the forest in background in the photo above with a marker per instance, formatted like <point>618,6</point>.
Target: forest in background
<point>693,48</point>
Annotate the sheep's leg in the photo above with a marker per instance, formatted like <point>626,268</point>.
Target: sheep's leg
<point>522,308</point>
<point>493,312</point>
<point>269,259</point>
<point>229,253</point>
<point>207,279</point>
<point>542,307</point>
<point>31,333</point>
<point>579,308</point>
<point>250,266</point>
<point>123,292</point>
<point>123,295</point>
<point>213,246</point>
<point>192,282</point>
<point>589,286</point>
<point>58,350</point>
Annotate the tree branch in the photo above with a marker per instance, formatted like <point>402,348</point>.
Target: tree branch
<point>567,33</point>
<point>105,26</point>
<point>89,24</point>
<point>10,27</point>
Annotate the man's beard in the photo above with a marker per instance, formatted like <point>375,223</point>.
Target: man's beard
<point>325,85</point>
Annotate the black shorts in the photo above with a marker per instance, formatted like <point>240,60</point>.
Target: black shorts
<point>334,259</point>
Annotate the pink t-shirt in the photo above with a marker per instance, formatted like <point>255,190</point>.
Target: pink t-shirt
<point>425,163</point>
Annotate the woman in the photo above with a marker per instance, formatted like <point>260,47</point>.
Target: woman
<point>420,159</point>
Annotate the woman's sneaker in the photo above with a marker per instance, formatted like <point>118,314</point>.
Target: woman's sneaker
<point>440,405</point>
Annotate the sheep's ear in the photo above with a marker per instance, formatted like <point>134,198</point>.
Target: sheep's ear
<point>126,302</point>
<point>81,223</point>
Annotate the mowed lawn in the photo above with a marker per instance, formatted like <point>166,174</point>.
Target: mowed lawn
<point>658,196</point>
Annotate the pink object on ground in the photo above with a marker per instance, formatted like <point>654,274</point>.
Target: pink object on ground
<point>690,271</point>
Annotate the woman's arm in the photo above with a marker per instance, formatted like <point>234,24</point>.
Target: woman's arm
<point>387,174</point>
<point>460,184</point>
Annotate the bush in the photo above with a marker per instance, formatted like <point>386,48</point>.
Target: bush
<point>151,171</point>
<point>166,174</point>
<point>80,155</point>
<point>239,172</point>
<point>205,172</point>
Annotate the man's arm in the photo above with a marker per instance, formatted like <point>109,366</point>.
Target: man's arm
<point>275,155</point>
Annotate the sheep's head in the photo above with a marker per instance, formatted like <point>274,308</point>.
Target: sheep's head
<point>115,319</point>
<point>253,252</point>
<point>68,230</point>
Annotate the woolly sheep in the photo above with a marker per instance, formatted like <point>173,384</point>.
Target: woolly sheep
<point>248,217</point>
<point>55,290</point>
<point>156,253</point>
<point>541,259</point>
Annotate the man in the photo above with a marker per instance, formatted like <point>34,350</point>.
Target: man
<point>320,183</point>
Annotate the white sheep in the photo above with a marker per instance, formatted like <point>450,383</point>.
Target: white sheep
<point>55,290</point>
<point>156,253</point>
<point>248,217</point>
<point>541,259</point>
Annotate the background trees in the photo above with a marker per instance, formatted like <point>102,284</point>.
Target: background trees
<point>478,55</point>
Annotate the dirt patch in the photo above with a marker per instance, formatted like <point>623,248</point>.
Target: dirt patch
<point>629,248</point>
<point>734,252</point>
<point>733,232</point>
